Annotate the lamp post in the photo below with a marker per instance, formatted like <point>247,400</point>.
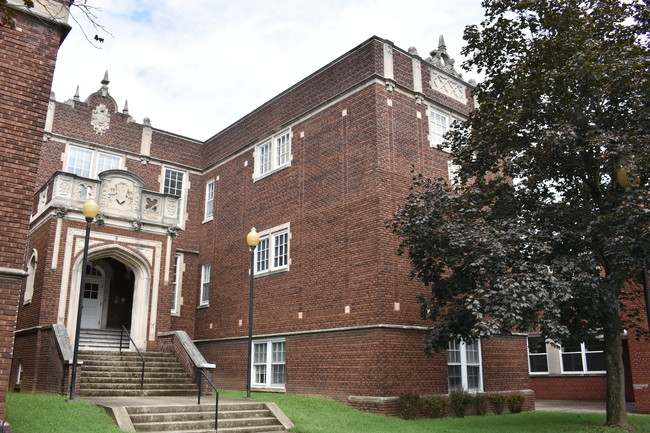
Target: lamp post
<point>252,239</point>
<point>89,211</point>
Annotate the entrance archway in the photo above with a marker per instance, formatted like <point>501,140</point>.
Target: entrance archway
<point>126,291</point>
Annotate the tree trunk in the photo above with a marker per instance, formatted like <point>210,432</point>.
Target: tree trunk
<point>616,413</point>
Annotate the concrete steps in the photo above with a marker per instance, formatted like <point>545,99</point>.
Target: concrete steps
<point>233,418</point>
<point>118,374</point>
<point>102,339</point>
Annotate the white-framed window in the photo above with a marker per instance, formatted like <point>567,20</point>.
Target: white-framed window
<point>585,357</point>
<point>177,283</point>
<point>438,124</point>
<point>89,163</point>
<point>173,185</point>
<point>272,253</point>
<point>273,154</point>
<point>537,356</point>
<point>269,363</point>
<point>209,200</point>
<point>31,275</point>
<point>205,284</point>
<point>464,369</point>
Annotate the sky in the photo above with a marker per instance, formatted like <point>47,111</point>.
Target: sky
<point>196,66</point>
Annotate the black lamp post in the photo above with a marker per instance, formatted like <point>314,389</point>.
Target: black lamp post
<point>89,211</point>
<point>252,239</point>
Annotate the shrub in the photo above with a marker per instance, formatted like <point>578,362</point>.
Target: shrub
<point>480,404</point>
<point>409,406</point>
<point>434,407</point>
<point>460,401</point>
<point>498,403</point>
<point>515,403</point>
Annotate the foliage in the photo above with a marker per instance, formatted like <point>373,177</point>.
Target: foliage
<point>409,405</point>
<point>515,403</point>
<point>434,407</point>
<point>459,400</point>
<point>480,404</point>
<point>548,224</point>
<point>498,403</point>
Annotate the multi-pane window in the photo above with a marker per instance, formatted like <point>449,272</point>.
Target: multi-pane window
<point>272,253</point>
<point>176,283</point>
<point>273,154</point>
<point>464,365</point>
<point>173,184</point>
<point>269,364</point>
<point>88,163</point>
<point>537,356</point>
<point>209,200</point>
<point>205,284</point>
<point>584,357</point>
<point>438,125</point>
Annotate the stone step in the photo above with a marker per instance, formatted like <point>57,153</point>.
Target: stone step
<point>136,379</point>
<point>131,368</point>
<point>136,385</point>
<point>136,392</point>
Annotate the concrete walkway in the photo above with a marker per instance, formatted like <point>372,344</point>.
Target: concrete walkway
<point>574,406</point>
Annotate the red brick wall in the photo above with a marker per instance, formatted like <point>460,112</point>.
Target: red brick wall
<point>569,387</point>
<point>27,54</point>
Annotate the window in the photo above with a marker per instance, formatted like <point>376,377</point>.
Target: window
<point>584,357</point>
<point>464,365</point>
<point>438,125</point>
<point>29,282</point>
<point>205,284</point>
<point>88,163</point>
<point>269,364</point>
<point>209,200</point>
<point>178,264</point>
<point>173,184</point>
<point>273,154</point>
<point>272,253</point>
<point>537,357</point>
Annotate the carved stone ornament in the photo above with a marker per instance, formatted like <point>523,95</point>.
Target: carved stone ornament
<point>136,225</point>
<point>100,219</point>
<point>172,231</point>
<point>101,119</point>
<point>61,212</point>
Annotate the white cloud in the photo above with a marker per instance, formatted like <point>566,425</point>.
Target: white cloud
<point>194,67</point>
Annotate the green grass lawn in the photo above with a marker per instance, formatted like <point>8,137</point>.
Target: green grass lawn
<point>38,413</point>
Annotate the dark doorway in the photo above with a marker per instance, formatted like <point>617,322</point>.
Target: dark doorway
<point>120,298</point>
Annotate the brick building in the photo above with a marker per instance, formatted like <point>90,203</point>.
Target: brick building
<point>317,170</point>
<point>27,56</point>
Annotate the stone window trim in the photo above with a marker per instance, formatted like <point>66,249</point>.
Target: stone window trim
<point>272,154</point>
<point>272,254</point>
<point>268,369</point>
<point>177,285</point>
<point>31,275</point>
<point>210,187</point>
<point>465,359</point>
<point>173,182</point>
<point>204,298</point>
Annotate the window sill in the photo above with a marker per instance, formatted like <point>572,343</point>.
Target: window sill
<point>207,220</point>
<point>269,173</point>
<point>273,272</point>
<point>202,306</point>
<point>268,389</point>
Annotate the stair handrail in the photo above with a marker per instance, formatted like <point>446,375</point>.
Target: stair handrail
<point>138,350</point>
<point>216,405</point>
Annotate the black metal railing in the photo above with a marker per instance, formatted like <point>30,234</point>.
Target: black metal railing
<point>216,403</point>
<point>136,348</point>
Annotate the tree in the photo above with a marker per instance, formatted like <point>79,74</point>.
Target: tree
<point>548,224</point>
<point>9,12</point>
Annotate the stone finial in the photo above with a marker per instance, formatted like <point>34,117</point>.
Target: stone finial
<point>76,94</point>
<point>413,51</point>
<point>105,80</point>
<point>440,58</point>
<point>146,121</point>
<point>125,110</point>
<point>52,96</point>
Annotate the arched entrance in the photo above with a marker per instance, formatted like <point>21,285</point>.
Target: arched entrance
<point>116,293</point>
